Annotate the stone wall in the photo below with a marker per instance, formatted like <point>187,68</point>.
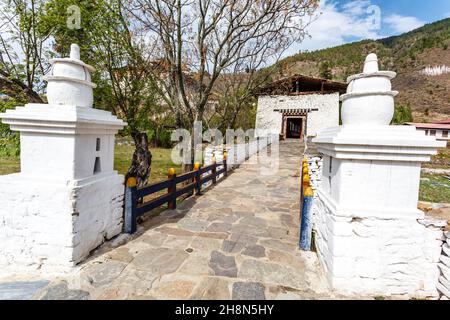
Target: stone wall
<point>407,256</point>
<point>236,154</point>
<point>444,265</point>
<point>376,256</point>
<point>327,116</point>
<point>53,226</point>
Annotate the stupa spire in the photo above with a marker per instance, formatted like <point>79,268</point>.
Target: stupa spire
<point>69,81</point>
<point>369,99</point>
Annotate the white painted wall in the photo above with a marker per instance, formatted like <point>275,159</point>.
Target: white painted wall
<point>58,208</point>
<point>326,117</point>
<point>439,134</point>
<point>51,226</point>
<point>370,236</point>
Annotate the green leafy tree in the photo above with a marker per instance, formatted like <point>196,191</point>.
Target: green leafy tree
<point>325,70</point>
<point>23,49</point>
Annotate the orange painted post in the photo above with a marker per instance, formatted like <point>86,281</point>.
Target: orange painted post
<point>172,189</point>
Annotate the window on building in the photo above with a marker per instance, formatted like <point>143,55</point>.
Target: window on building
<point>445,134</point>
<point>426,132</point>
<point>432,132</point>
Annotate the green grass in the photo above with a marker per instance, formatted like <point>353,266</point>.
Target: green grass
<point>440,161</point>
<point>434,188</point>
<point>9,165</point>
<point>161,162</point>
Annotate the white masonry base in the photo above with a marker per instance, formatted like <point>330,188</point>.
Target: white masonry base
<point>377,255</point>
<point>52,226</point>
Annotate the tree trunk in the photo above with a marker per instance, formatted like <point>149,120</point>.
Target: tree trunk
<point>142,160</point>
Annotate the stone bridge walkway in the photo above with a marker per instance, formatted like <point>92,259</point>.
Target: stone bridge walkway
<point>237,241</point>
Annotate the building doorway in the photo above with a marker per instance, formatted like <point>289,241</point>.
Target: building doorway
<point>294,128</point>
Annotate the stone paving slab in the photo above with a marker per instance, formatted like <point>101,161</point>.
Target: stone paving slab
<point>21,290</point>
<point>237,241</point>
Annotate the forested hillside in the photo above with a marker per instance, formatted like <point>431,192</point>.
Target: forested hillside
<point>408,54</point>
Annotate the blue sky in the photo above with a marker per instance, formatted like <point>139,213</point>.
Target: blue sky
<point>344,21</point>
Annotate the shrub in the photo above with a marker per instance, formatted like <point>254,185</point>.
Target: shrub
<point>402,114</point>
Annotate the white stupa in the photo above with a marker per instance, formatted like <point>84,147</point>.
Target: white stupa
<point>67,199</point>
<point>368,235</point>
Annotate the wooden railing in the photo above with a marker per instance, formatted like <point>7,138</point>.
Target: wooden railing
<point>135,204</point>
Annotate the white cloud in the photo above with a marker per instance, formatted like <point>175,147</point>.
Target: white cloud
<point>357,7</point>
<point>402,24</point>
<point>336,24</point>
<point>447,15</point>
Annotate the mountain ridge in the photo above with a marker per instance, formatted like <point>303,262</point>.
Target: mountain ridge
<point>408,54</point>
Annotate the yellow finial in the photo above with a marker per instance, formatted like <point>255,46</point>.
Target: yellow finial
<point>196,166</point>
<point>225,155</point>
<point>306,178</point>
<point>308,192</point>
<point>131,182</point>
<point>171,171</point>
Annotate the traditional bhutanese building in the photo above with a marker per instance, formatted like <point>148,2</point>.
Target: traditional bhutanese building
<point>298,106</point>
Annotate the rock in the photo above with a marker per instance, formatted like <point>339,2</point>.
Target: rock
<point>430,222</point>
<point>121,254</point>
<point>155,239</point>
<point>175,231</point>
<point>177,242</point>
<point>60,291</point>
<point>193,224</point>
<point>445,291</point>
<point>100,274</point>
<point>21,290</point>
<point>223,265</point>
<point>159,260</point>
<point>253,221</point>
<point>196,264</point>
<point>446,249</point>
<point>205,244</point>
<point>219,227</point>
<point>248,291</point>
<point>272,273</point>
<point>279,245</point>
<point>232,246</point>
<point>256,251</point>
<point>174,288</point>
<point>445,270</point>
<point>244,238</point>
<point>445,282</point>
<point>212,289</point>
<point>445,260</point>
<point>213,235</point>
<point>120,240</point>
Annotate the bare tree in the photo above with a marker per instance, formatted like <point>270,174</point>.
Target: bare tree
<point>22,47</point>
<point>207,37</point>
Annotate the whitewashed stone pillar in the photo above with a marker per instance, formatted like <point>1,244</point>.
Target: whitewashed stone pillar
<point>369,233</point>
<point>67,199</point>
